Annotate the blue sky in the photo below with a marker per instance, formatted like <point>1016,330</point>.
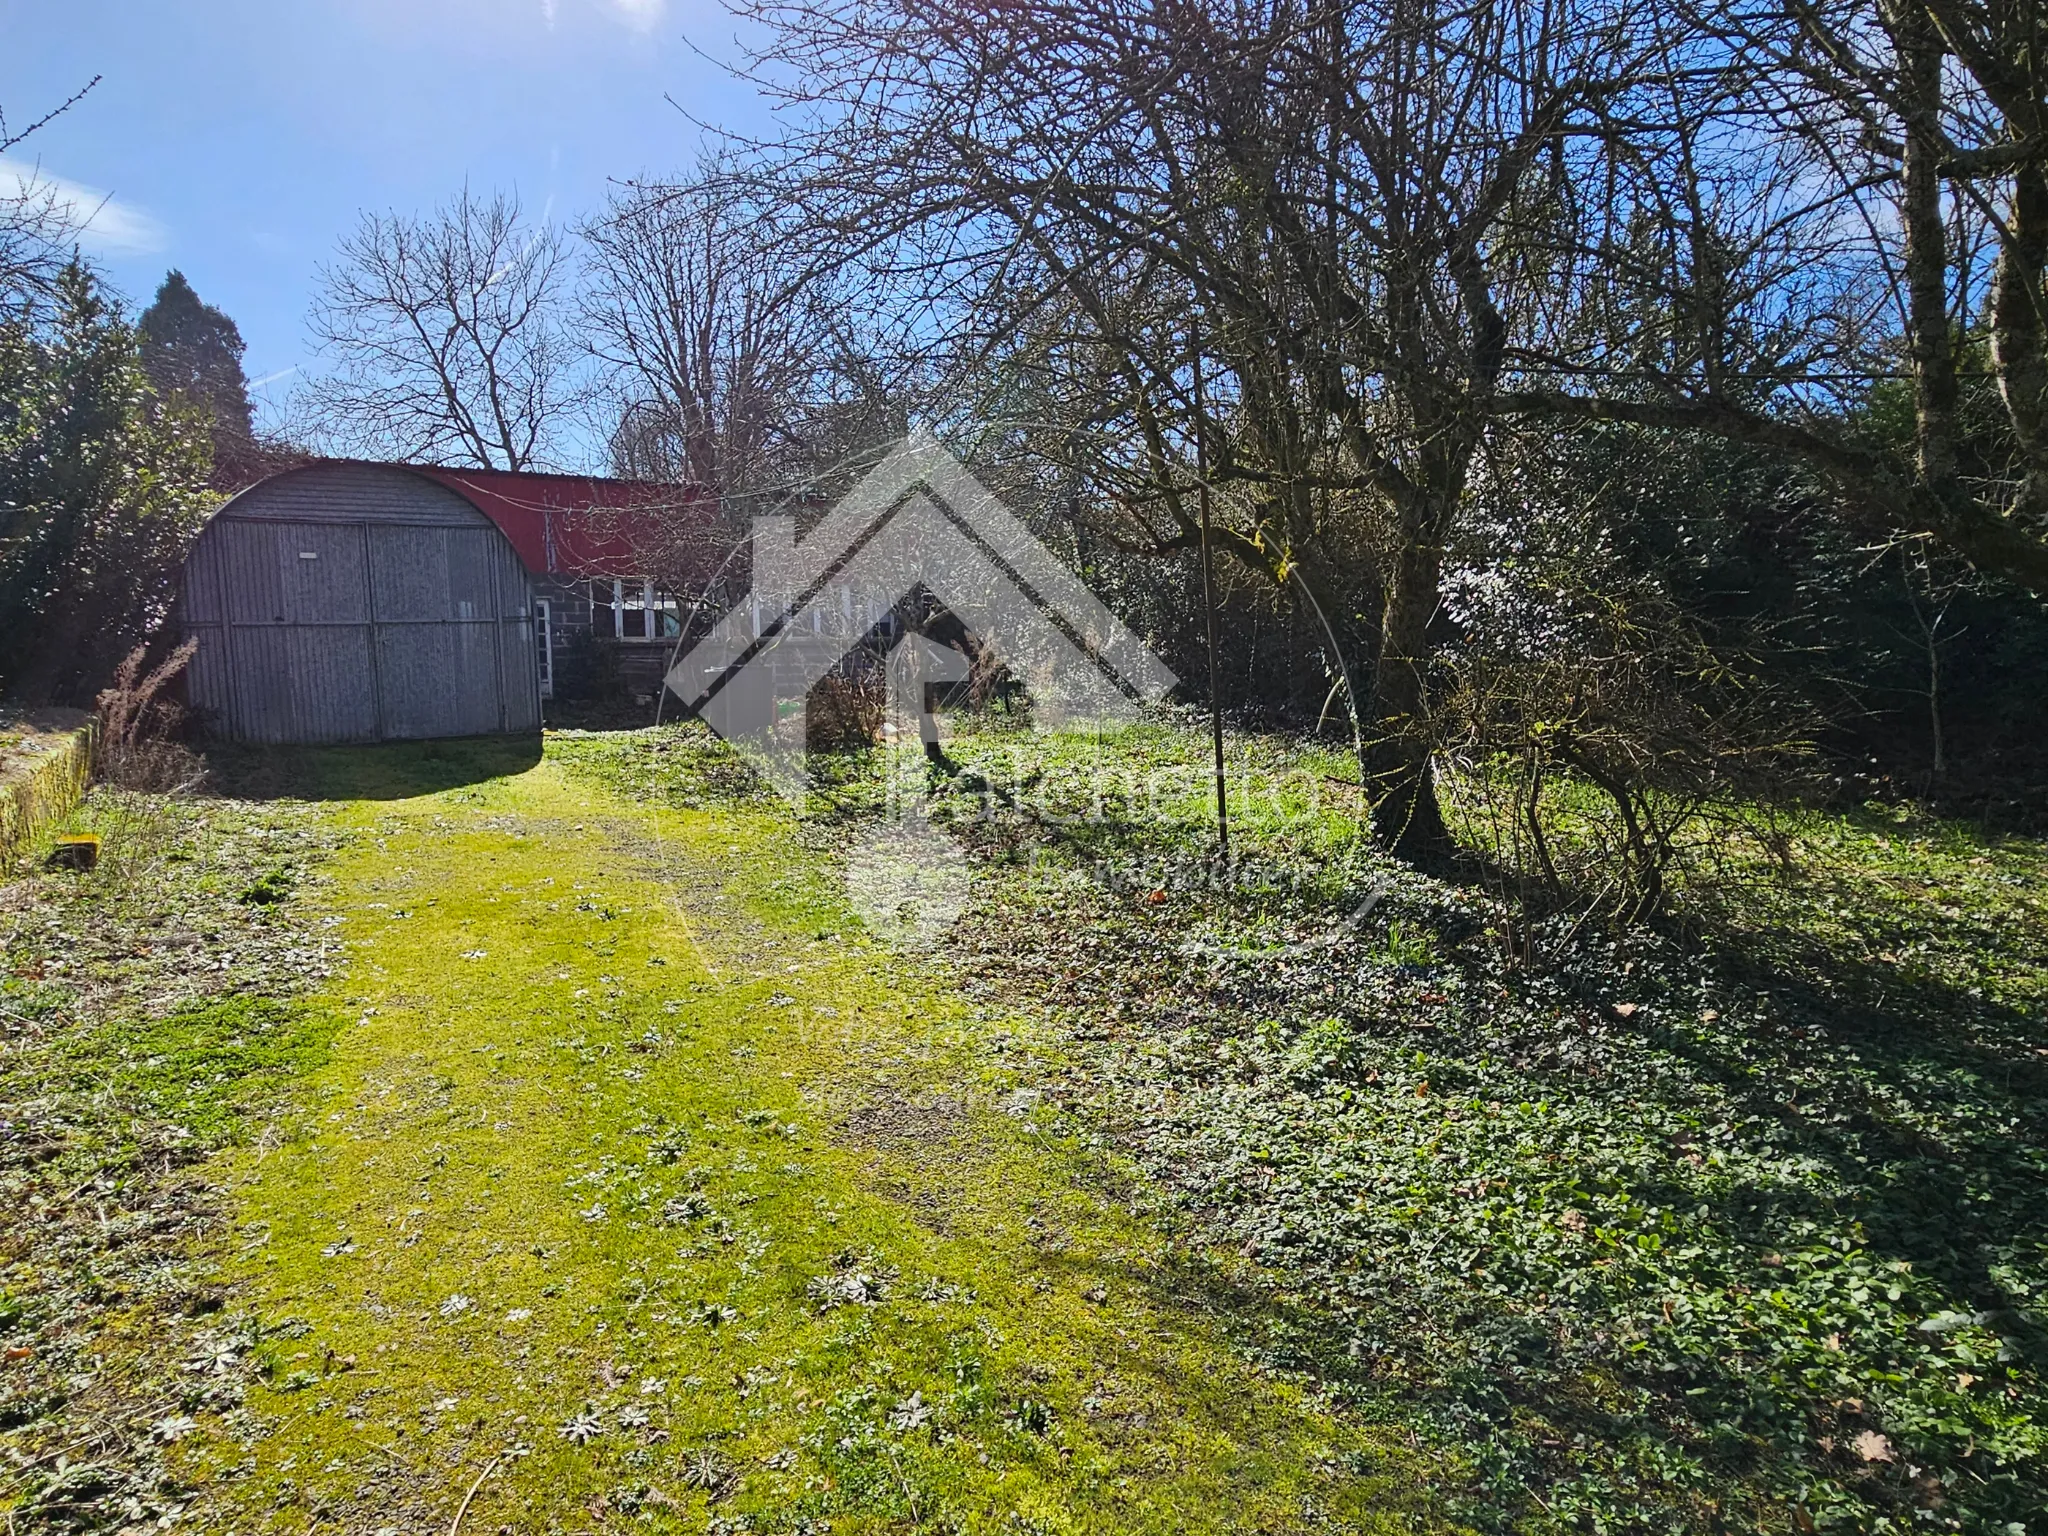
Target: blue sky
<point>238,139</point>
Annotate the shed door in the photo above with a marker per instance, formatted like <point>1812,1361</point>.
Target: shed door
<point>297,632</point>
<point>324,631</point>
<point>437,630</point>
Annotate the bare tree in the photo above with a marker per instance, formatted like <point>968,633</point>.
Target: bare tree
<point>446,339</point>
<point>1910,145</point>
<point>11,136</point>
<point>38,225</point>
<point>1282,251</point>
<point>714,337</point>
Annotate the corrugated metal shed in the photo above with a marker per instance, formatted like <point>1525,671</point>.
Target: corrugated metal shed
<point>359,602</point>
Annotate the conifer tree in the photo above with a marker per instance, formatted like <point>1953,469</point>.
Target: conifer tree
<point>194,356</point>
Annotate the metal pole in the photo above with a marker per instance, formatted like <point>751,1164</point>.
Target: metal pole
<point>1209,603</point>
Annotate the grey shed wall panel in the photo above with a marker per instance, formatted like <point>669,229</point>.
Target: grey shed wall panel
<point>260,705</point>
<point>334,695</point>
<point>518,649</point>
<point>348,602</point>
<point>439,575</point>
<point>302,684</point>
<point>248,572</point>
<point>209,676</point>
<point>205,595</point>
<point>439,679</point>
<point>323,571</point>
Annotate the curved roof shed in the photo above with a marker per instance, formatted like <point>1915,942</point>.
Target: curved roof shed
<point>359,602</point>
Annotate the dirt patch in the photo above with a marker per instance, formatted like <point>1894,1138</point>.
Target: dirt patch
<point>898,1123</point>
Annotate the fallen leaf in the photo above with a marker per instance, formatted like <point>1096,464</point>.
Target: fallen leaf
<point>1872,1446</point>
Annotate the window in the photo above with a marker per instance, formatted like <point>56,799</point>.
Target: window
<point>544,643</point>
<point>604,609</point>
<point>633,608</point>
<point>664,614</point>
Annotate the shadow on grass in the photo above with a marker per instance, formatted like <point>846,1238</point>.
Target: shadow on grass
<point>1780,1246</point>
<point>395,770</point>
<point>1936,1103</point>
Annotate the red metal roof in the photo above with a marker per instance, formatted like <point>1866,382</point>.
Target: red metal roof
<point>579,525</point>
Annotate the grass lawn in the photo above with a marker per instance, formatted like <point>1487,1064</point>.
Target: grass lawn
<point>1738,1225</point>
<point>426,1135</point>
<point>637,1190</point>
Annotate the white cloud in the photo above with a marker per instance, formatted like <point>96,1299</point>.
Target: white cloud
<point>103,222</point>
<point>641,15</point>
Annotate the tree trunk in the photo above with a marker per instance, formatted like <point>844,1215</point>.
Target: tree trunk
<point>1926,248</point>
<point>2019,332</point>
<point>1406,816</point>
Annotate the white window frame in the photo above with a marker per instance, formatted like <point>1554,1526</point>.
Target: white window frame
<point>642,593</point>
<point>637,608</point>
<point>544,640</point>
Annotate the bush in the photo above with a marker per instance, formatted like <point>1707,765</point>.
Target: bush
<point>138,748</point>
<point>102,489</point>
<point>587,672</point>
<point>845,713</point>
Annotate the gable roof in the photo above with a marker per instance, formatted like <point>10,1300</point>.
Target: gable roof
<point>577,525</point>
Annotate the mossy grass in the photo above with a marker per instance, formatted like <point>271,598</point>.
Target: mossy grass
<point>643,1182</point>
<point>632,1186</point>
<point>1738,1220</point>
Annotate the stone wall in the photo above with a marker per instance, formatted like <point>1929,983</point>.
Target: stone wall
<point>45,763</point>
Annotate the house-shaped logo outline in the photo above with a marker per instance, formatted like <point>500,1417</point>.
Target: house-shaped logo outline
<point>917,519</point>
